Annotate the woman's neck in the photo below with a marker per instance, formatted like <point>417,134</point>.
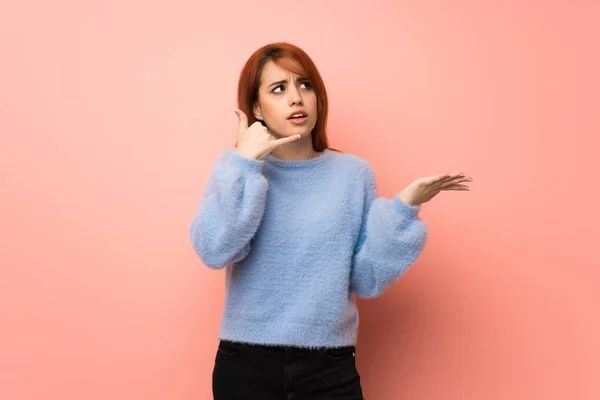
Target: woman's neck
<point>301,149</point>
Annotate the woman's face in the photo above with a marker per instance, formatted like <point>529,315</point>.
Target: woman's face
<point>281,94</point>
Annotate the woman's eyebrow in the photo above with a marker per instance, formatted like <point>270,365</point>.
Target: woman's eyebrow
<point>300,78</point>
<point>278,82</point>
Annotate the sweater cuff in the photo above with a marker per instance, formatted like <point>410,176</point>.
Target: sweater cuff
<point>246,164</point>
<point>405,209</point>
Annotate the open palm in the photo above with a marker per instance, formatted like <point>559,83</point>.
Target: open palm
<point>424,189</point>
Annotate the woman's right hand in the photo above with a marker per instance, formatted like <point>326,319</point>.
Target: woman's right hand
<point>255,142</point>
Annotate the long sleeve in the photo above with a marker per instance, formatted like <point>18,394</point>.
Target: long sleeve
<point>391,239</point>
<point>230,211</point>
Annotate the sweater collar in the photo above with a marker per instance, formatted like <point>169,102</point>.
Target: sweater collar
<point>325,155</point>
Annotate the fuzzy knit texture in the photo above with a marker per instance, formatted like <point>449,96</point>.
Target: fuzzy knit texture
<point>299,240</point>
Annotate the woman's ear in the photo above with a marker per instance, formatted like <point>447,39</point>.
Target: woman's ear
<point>256,111</point>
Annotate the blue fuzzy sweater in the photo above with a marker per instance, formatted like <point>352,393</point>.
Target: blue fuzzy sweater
<point>298,239</point>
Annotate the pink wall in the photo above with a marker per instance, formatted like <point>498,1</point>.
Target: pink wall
<point>111,116</point>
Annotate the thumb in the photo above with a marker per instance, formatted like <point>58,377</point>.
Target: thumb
<point>278,142</point>
<point>243,120</point>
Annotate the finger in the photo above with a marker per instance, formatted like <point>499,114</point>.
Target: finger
<point>434,180</point>
<point>455,181</point>
<point>450,179</point>
<point>454,175</point>
<point>260,127</point>
<point>457,187</point>
<point>243,121</point>
<point>278,142</point>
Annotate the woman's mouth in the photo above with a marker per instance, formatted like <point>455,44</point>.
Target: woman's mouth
<point>298,119</point>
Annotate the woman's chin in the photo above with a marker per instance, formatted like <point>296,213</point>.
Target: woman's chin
<point>303,131</point>
<point>289,134</point>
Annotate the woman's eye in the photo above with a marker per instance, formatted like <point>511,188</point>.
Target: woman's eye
<point>306,84</point>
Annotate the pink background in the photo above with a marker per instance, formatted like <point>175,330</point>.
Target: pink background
<point>112,113</point>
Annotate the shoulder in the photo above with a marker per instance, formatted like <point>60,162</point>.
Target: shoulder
<point>354,164</point>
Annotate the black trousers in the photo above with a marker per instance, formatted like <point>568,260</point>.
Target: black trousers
<point>253,372</point>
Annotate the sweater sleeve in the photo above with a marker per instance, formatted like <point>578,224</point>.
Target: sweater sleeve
<point>391,239</point>
<point>230,210</point>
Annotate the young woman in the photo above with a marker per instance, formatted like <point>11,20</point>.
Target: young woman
<point>300,232</point>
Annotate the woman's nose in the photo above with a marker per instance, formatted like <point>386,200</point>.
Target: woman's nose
<point>295,97</point>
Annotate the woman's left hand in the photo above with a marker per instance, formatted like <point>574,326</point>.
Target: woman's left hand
<point>424,189</point>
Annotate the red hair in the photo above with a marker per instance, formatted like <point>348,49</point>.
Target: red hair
<point>295,60</point>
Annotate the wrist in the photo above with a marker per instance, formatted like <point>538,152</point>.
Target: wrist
<point>247,156</point>
<point>406,200</point>
<point>408,210</point>
<point>246,164</point>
